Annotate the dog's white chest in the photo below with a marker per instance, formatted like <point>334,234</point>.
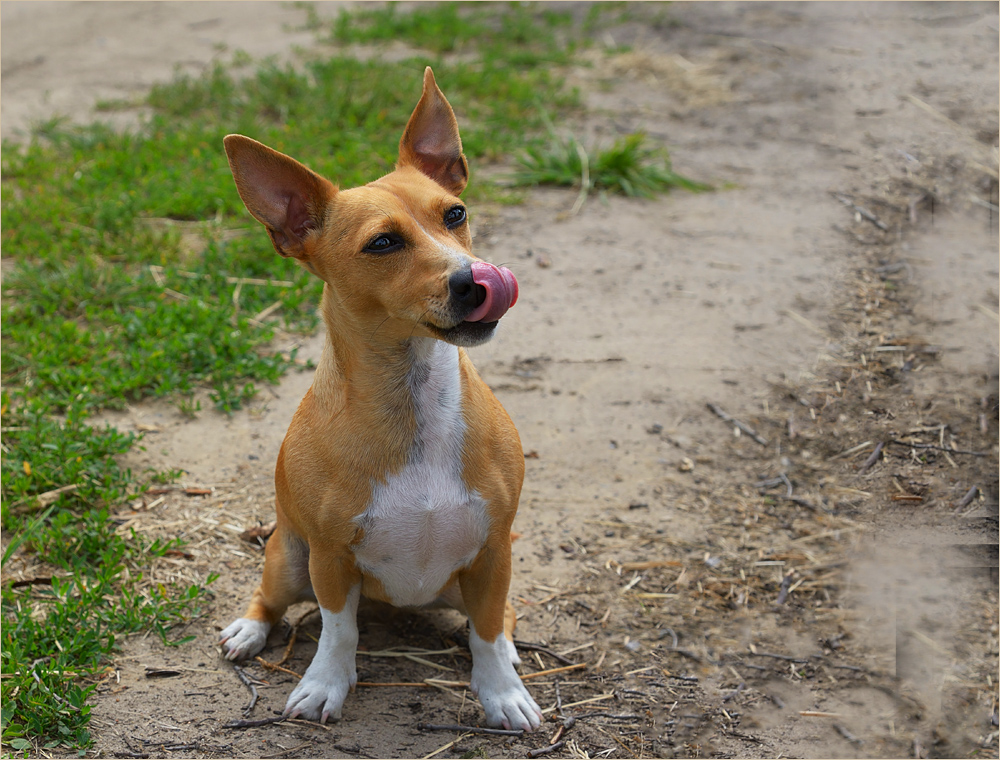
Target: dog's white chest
<point>423,524</point>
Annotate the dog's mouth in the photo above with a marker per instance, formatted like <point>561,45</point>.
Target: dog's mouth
<point>466,334</point>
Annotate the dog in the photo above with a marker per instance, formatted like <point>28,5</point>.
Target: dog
<point>400,473</point>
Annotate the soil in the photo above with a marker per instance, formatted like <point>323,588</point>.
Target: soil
<point>828,591</point>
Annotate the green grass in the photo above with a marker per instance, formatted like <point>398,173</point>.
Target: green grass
<point>629,167</point>
<point>517,34</point>
<point>133,271</point>
<point>59,629</point>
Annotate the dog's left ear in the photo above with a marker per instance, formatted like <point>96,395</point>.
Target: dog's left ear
<point>431,142</point>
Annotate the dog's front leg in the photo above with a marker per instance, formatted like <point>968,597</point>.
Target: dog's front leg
<point>321,692</point>
<point>494,681</point>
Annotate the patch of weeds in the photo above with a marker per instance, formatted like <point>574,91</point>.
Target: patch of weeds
<point>59,630</point>
<point>71,462</point>
<point>58,635</point>
<point>629,167</point>
<point>518,34</point>
<point>479,751</point>
<point>165,477</point>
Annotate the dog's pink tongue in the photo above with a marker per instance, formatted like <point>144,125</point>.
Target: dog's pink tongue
<point>501,291</point>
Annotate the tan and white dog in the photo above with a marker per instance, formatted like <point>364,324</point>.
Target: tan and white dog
<point>400,473</point>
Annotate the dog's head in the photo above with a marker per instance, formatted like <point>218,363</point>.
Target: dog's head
<point>396,254</point>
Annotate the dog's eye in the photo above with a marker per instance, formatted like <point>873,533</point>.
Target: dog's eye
<point>384,244</point>
<point>454,217</point>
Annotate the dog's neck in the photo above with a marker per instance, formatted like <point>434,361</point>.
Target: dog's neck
<point>398,386</point>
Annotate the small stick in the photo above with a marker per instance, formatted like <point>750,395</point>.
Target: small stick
<point>847,734</point>
<point>439,750</point>
<point>612,716</point>
<point>546,750</point>
<point>780,657</point>
<point>818,714</point>
<point>253,723</point>
<point>601,698</point>
<point>274,666</point>
<point>734,692</point>
<point>351,750</point>
<point>742,426</point>
<point>852,450</point>
<point>394,683</point>
<point>786,582</point>
<point>544,650</point>
<point>788,485</point>
<point>253,690</point>
<point>469,729</point>
<point>288,751</point>
<point>873,458</point>
<point>938,448</point>
<point>865,213</point>
<point>967,499</point>
<point>550,671</point>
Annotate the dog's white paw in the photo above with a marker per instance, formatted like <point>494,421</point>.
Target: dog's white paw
<point>320,694</point>
<point>244,638</point>
<point>494,681</point>
<point>507,703</point>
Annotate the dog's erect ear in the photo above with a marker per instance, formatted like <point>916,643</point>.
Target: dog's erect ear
<point>280,193</point>
<point>431,142</point>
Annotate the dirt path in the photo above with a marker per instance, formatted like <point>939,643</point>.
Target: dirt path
<point>770,298</point>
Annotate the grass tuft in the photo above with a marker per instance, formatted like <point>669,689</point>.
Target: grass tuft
<point>629,167</point>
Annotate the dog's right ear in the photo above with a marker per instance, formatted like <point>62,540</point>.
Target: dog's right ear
<point>280,193</point>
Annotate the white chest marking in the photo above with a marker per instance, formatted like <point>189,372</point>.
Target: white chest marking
<point>423,524</point>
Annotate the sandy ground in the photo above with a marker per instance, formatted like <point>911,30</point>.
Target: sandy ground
<point>768,298</point>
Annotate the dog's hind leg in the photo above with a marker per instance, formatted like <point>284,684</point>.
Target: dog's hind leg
<point>285,581</point>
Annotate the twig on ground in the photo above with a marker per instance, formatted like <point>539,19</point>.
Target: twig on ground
<point>469,729</point>
<point>863,212</point>
<point>274,666</point>
<point>938,448</point>
<point>292,635</point>
<point>248,682</point>
<point>714,409</point>
<point>253,723</point>
<point>785,657</point>
<point>546,750</point>
<point>786,582</point>
<point>871,460</point>
<point>847,734</point>
<point>288,751</point>
<point>852,450</point>
<point>550,671</point>
<point>601,698</point>
<point>788,485</point>
<point>356,750</point>
<point>527,646</point>
<point>734,692</point>
<point>967,499</point>
<point>673,636</point>
<point>450,744</point>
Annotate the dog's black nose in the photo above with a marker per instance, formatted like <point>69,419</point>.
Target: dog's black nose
<point>464,290</point>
